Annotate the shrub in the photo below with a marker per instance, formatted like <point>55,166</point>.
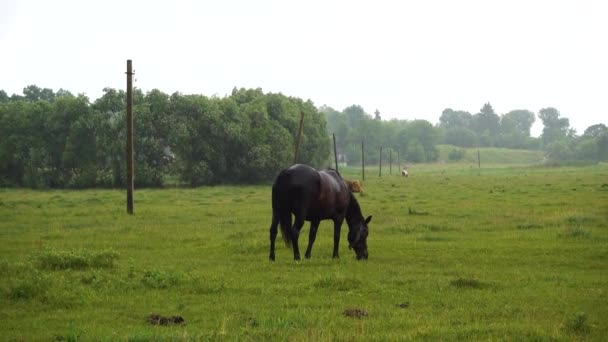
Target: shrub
<point>76,259</point>
<point>160,279</point>
<point>33,284</point>
<point>456,154</point>
<point>574,232</point>
<point>577,323</point>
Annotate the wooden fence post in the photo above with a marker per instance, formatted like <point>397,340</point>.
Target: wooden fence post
<point>299,136</point>
<point>380,174</point>
<point>335,152</point>
<point>362,160</point>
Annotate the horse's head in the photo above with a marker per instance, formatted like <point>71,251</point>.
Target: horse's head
<point>357,238</point>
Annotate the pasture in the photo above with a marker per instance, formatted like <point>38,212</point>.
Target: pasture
<point>454,253</point>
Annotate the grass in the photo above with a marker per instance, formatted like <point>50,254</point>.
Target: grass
<point>501,253</point>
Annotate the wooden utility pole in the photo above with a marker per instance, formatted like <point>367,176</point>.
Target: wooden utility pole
<point>335,152</point>
<point>295,157</point>
<point>478,160</point>
<point>129,137</point>
<point>362,160</point>
<point>380,174</point>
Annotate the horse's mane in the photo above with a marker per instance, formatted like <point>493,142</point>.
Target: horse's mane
<point>353,210</point>
<point>329,168</point>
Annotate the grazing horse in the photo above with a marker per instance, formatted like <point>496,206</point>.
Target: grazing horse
<point>312,195</point>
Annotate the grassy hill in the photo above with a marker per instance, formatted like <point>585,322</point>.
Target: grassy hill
<point>492,155</point>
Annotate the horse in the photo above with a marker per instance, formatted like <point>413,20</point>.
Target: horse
<point>312,195</point>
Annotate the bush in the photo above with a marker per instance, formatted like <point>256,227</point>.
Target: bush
<point>161,279</point>
<point>577,324</point>
<point>76,259</point>
<point>456,154</point>
<point>32,284</point>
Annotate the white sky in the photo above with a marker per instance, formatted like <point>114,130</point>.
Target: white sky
<point>408,59</point>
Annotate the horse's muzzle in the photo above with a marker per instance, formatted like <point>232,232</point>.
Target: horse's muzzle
<point>360,252</point>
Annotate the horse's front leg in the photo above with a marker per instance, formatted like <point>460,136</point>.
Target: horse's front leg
<point>312,235</point>
<point>295,233</point>
<point>337,226</point>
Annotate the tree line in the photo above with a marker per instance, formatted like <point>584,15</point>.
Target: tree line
<point>60,140</point>
<point>416,140</point>
<point>412,141</point>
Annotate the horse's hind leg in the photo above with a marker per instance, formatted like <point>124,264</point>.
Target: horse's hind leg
<point>295,233</point>
<point>312,235</point>
<point>273,234</point>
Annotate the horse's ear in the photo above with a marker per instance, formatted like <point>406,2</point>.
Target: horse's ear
<point>368,219</point>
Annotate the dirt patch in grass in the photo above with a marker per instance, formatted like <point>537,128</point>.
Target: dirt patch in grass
<point>529,226</point>
<point>156,319</point>
<point>413,211</point>
<point>468,283</point>
<point>355,313</point>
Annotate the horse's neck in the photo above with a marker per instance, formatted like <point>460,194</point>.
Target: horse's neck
<point>353,212</point>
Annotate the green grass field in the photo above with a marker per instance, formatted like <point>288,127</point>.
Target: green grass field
<point>456,253</point>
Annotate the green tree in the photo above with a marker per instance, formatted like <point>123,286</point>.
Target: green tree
<point>21,125</point>
<point>460,136</point>
<point>377,115</point>
<point>422,132</point>
<point>450,119</point>
<point>487,125</point>
<point>415,152</point>
<point>593,144</point>
<point>111,136</point>
<point>35,93</point>
<point>556,128</point>
<point>515,128</point>
<point>3,96</point>
<point>594,131</point>
<point>518,122</point>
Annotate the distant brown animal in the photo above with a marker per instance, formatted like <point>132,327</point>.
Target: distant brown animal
<point>354,186</point>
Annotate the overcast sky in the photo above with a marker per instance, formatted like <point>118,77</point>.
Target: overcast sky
<point>408,59</point>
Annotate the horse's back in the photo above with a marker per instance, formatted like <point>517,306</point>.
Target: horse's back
<point>295,186</point>
<point>334,194</point>
<point>301,188</point>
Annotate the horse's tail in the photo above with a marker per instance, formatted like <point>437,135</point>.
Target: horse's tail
<point>280,204</point>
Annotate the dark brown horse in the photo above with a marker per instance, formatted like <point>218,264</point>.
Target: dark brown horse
<point>312,195</point>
